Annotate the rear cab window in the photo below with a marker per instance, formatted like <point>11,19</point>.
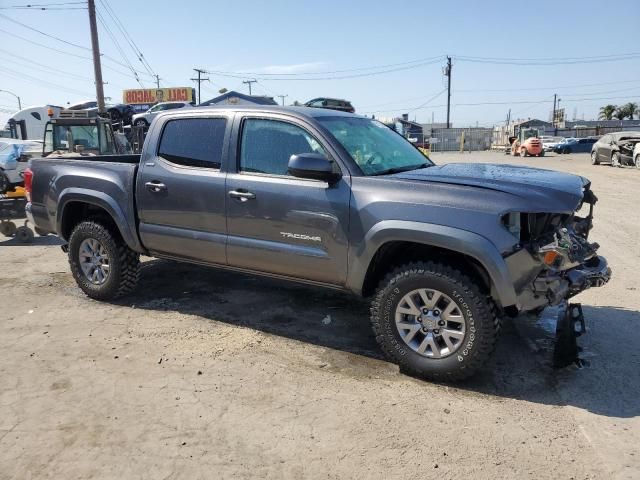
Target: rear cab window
<point>193,142</point>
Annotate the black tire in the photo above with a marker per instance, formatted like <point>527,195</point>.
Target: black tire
<point>24,234</point>
<point>636,162</point>
<point>541,154</point>
<point>567,150</point>
<point>594,158</point>
<point>482,325</point>
<point>124,263</point>
<point>4,183</point>
<point>523,152</point>
<point>615,159</point>
<point>39,231</point>
<point>8,229</point>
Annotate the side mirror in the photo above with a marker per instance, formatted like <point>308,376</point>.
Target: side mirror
<point>314,166</point>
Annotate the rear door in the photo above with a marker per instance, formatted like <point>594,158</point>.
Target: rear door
<point>278,223</point>
<point>181,190</point>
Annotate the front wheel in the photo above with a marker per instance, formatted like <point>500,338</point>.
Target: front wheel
<point>103,266</point>
<point>433,321</point>
<point>523,152</point>
<point>594,159</point>
<point>541,154</point>
<point>615,159</point>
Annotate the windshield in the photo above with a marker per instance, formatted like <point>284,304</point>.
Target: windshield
<point>376,148</point>
<point>66,136</point>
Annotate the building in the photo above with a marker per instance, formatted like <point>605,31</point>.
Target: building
<point>237,98</point>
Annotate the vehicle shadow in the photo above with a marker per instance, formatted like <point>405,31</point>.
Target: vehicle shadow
<point>49,240</point>
<point>340,322</point>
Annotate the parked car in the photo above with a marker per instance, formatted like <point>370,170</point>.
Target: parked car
<point>332,200</point>
<point>332,104</point>
<point>549,143</point>
<point>120,113</point>
<point>575,145</point>
<point>14,158</point>
<point>145,119</point>
<point>616,149</point>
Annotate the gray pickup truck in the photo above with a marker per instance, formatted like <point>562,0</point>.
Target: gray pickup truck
<point>334,200</point>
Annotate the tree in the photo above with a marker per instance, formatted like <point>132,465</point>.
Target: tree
<point>630,109</point>
<point>620,113</point>
<point>607,112</point>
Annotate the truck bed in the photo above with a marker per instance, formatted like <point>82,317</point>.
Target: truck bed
<point>105,181</point>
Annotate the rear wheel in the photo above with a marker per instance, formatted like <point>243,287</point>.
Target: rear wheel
<point>102,264</point>
<point>615,159</point>
<point>433,321</point>
<point>24,234</point>
<point>8,229</point>
<point>594,158</point>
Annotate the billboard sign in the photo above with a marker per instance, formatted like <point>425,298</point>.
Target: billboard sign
<point>149,96</point>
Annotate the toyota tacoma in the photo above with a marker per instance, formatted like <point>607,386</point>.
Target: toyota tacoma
<point>333,200</point>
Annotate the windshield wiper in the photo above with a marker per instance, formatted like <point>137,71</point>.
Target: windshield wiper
<point>391,171</point>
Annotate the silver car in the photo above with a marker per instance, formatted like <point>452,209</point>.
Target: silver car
<point>144,119</point>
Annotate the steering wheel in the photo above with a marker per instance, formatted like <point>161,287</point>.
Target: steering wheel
<point>374,159</point>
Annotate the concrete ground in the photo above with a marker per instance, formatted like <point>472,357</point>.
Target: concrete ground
<point>206,374</point>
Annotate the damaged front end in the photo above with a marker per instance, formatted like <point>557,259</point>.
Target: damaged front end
<point>553,260</point>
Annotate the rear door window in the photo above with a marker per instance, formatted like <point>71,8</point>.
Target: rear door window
<point>193,142</point>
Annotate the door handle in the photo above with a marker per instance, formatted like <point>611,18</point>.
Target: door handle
<point>243,195</point>
<point>156,187</point>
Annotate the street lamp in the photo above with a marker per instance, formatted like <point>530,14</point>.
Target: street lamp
<point>11,93</point>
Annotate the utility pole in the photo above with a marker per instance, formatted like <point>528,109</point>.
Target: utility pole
<point>282,97</point>
<point>199,80</point>
<point>553,117</point>
<point>17,97</point>
<point>249,82</point>
<point>95,47</point>
<point>447,72</point>
<point>157,80</point>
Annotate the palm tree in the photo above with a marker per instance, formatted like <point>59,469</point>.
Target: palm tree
<point>631,108</point>
<point>606,112</point>
<point>620,113</point>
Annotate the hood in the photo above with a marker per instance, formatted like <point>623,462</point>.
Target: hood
<point>543,189</point>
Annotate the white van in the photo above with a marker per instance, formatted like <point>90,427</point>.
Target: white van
<point>35,119</point>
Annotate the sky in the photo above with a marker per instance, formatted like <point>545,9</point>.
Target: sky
<point>392,53</point>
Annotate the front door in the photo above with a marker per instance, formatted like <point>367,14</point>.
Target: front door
<point>181,190</point>
<point>278,223</point>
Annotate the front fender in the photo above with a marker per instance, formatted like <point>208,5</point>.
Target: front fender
<point>104,201</point>
<point>455,239</point>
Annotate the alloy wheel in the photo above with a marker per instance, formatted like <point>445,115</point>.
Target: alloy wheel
<point>430,322</point>
<point>94,261</point>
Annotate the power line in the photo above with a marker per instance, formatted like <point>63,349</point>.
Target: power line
<point>44,68</point>
<point>30,78</point>
<point>545,88</point>
<point>339,77</point>
<point>128,38</point>
<point>374,67</point>
<point>44,33</point>
<point>550,60</point>
<point>119,48</point>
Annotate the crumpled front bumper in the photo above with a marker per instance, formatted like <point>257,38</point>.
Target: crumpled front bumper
<point>538,287</point>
